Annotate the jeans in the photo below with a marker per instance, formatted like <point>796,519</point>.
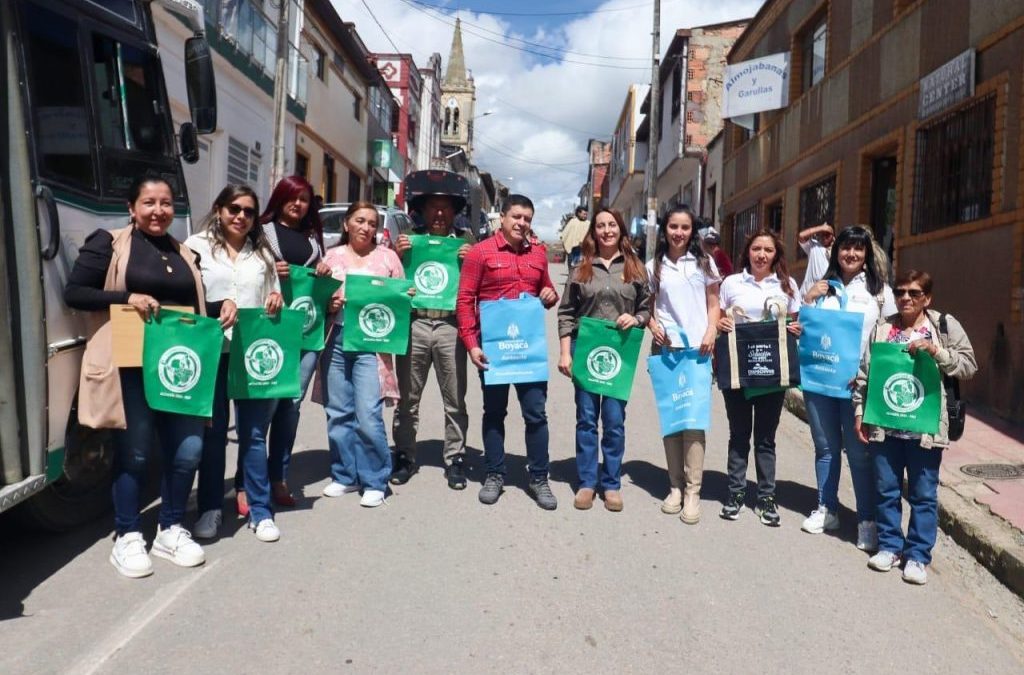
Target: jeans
<point>612,412</point>
<point>210,492</point>
<point>181,443</point>
<point>893,457</point>
<point>252,419</point>
<point>356,438</point>
<point>533,398</point>
<point>832,428</point>
<point>286,421</point>
<point>760,415</point>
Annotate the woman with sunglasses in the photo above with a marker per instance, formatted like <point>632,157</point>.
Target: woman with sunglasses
<point>853,265</point>
<point>238,271</point>
<point>900,453</point>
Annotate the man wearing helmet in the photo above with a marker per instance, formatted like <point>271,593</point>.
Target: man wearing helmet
<point>435,198</point>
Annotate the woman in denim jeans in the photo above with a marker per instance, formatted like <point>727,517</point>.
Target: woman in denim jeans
<point>853,265</point>
<point>355,385</point>
<point>609,283</point>
<point>899,453</point>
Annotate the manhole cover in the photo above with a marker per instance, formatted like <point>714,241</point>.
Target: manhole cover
<point>994,471</point>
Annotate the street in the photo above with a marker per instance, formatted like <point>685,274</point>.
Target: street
<point>436,582</point>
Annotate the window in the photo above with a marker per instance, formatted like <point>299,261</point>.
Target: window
<point>329,177</point>
<point>320,63</point>
<point>744,226</point>
<point>354,185</point>
<point>677,89</point>
<point>357,107</point>
<point>953,168</point>
<point>243,162</point>
<point>773,217</point>
<point>301,165</point>
<point>817,205</point>
<point>339,61</point>
<point>813,49</point>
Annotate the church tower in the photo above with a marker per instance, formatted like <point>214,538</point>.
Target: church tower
<point>458,96</point>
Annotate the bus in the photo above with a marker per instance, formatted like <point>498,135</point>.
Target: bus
<point>83,111</point>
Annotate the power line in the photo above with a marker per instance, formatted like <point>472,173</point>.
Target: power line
<point>493,141</point>
<point>523,160</point>
<point>577,13</point>
<point>374,17</point>
<point>544,119</point>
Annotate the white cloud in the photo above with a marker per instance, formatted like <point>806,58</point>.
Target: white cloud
<point>545,110</point>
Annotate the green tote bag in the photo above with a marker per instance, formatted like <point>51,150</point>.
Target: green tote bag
<point>904,391</point>
<point>308,293</point>
<point>376,314</point>
<point>605,358</point>
<point>265,354</point>
<point>433,264</point>
<point>180,355</point>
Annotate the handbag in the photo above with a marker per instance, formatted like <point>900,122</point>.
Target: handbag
<point>956,409</point>
<point>681,379</point>
<point>758,353</point>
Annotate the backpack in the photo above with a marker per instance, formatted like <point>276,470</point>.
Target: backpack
<point>955,408</point>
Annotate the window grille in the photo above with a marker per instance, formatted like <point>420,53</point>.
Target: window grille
<point>744,225</point>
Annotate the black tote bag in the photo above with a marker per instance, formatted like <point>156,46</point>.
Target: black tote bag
<point>758,353</point>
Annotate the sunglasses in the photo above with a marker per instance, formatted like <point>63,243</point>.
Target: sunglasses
<point>235,209</point>
<point>912,292</point>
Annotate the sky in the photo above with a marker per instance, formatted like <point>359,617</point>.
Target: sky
<point>554,73</point>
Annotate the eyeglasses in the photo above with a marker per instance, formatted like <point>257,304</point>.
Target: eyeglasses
<point>235,209</point>
<point>912,292</point>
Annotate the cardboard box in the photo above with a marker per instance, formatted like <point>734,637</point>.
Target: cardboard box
<point>126,334</point>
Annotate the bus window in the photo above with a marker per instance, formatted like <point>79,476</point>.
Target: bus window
<point>57,97</point>
<point>127,105</point>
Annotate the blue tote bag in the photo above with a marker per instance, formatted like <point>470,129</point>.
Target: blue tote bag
<point>514,340</point>
<point>682,388</point>
<point>829,347</point>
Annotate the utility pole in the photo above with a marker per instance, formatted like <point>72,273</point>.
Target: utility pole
<point>280,94</point>
<point>654,115</point>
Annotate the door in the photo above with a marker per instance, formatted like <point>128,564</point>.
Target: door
<point>883,204</point>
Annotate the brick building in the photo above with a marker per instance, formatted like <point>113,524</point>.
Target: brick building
<point>406,82</point>
<point>905,115</point>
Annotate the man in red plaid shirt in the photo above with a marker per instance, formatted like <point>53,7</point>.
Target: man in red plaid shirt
<point>504,266</point>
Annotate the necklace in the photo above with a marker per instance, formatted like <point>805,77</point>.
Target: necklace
<point>163,256</point>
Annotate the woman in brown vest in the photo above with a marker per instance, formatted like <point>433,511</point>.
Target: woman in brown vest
<point>140,265</point>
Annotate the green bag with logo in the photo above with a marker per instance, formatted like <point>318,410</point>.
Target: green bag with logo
<point>376,314</point>
<point>605,358</point>
<point>308,293</point>
<point>904,391</point>
<point>180,355</point>
<point>265,353</point>
<point>433,265</point>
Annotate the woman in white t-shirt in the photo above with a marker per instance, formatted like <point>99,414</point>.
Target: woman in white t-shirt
<point>831,419</point>
<point>764,280</point>
<point>684,300</point>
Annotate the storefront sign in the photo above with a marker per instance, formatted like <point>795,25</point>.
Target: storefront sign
<point>757,85</point>
<point>947,85</point>
<point>382,153</point>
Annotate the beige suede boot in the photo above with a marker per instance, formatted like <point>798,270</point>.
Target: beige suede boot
<point>673,503</point>
<point>693,470</point>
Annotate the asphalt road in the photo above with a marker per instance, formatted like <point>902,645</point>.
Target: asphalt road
<point>436,582</point>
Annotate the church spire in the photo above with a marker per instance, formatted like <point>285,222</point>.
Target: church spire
<point>455,75</point>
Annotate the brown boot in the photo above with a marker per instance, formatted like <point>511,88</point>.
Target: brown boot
<point>693,469</point>
<point>613,500</point>
<point>676,478</point>
<point>584,499</point>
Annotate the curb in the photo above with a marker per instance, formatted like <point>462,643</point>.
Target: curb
<point>993,543</point>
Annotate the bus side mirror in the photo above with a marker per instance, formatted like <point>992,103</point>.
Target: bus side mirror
<point>200,83</point>
<point>188,143</point>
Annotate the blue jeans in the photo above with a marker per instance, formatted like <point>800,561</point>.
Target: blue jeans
<point>356,438</point>
<point>612,412</point>
<point>286,421</point>
<point>832,429</point>
<point>210,492</point>
<point>533,398</point>
<point>181,443</point>
<point>252,419</point>
<point>893,457</point>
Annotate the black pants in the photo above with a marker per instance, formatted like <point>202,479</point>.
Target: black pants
<point>760,415</point>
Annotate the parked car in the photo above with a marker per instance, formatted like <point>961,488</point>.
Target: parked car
<point>395,223</point>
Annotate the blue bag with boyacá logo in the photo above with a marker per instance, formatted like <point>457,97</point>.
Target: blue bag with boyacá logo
<point>514,340</point>
<point>829,347</point>
<point>682,388</point>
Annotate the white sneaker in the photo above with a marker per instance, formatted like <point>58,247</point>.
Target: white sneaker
<point>867,536</point>
<point>333,489</point>
<point>207,525</point>
<point>175,544</point>
<point>266,530</point>
<point>372,498</point>
<point>914,572</point>
<point>883,561</point>
<point>129,556</point>
<point>821,519</point>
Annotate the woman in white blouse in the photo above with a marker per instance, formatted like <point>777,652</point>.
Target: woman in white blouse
<point>762,281</point>
<point>238,271</point>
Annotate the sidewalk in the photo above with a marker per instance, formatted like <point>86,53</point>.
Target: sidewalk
<point>985,515</point>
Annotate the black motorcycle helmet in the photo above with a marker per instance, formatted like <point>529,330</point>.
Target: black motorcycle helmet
<point>421,184</point>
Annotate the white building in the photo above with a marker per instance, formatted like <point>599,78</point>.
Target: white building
<point>629,157</point>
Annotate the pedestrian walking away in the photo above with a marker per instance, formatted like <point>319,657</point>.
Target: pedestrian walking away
<point>610,283</point>
<point>906,457</point>
<point>831,419</point>
<point>503,266</point>
<point>684,292</point>
<point>572,236</point>
<point>436,197</point>
<point>238,272</point>
<point>763,279</point>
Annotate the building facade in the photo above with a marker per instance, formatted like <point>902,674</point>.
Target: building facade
<point>600,153</point>
<point>458,99</point>
<point>907,116</point>
<point>629,158</point>
<point>429,146</point>
<point>403,77</point>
